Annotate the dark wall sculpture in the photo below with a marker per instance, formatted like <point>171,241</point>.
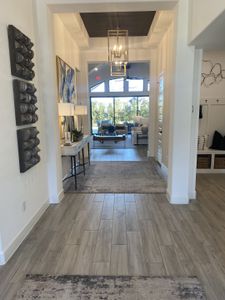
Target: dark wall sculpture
<point>28,148</point>
<point>24,100</point>
<point>21,54</point>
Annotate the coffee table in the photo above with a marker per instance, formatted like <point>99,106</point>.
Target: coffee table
<point>114,138</point>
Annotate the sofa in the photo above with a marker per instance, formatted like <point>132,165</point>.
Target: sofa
<point>106,127</point>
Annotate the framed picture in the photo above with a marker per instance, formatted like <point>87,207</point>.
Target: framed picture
<point>66,82</point>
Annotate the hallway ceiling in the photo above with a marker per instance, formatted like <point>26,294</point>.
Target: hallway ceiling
<point>137,23</point>
<point>212,37</point>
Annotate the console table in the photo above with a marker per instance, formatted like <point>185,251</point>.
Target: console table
<point>73,151</point>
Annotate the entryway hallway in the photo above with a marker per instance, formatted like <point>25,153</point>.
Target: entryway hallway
<point>120,171</point>
<point>127,234</point>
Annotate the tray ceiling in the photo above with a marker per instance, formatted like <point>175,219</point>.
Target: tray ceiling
<point>137,23</point>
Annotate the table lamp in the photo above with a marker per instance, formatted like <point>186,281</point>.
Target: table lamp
<point>66,110</point>
<point>81,110</point>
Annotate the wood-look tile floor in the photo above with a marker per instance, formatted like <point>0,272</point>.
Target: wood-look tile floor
<point>126,234</point>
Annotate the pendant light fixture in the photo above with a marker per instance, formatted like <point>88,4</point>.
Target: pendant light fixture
<point>118,51</point>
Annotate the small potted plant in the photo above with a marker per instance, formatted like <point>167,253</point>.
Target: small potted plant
<point>77,135</point>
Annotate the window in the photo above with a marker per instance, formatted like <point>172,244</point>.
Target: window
<point>135,85</point>
<point>116,85</point>
<point>118,110</point>
<point>125,109</point>
<point>148,85</point>
<point>99,88</point>
<point>143,106</point>
<point>102,110</point>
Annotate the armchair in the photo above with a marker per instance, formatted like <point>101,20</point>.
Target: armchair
<point>139,135</point>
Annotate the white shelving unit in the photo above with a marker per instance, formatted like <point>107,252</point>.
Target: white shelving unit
<point>216,161</point>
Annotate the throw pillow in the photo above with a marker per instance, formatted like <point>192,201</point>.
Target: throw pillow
<point>218,141</point>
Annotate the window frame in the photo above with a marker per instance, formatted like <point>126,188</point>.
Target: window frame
<point>114,79</point>
<point>137,91</point>
<point>97,85</point>
<point>115,96</point>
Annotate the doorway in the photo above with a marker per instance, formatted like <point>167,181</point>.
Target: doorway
<point>119,106</point>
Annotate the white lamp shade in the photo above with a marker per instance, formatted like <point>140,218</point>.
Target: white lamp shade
<point>65,109</point>
<point>80,110</point>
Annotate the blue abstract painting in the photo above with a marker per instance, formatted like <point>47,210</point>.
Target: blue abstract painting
<point>66,81</point>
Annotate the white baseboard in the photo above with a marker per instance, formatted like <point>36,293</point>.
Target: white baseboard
<point>193,195</point>
<point>57,198</point>
<point>174,199</point>
<point>61,195</point>
<point>6,254</point>
<point>2,259</point>
<point>164,170</point>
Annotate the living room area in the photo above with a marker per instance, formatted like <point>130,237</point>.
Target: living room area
<point>119,126</point>
<point>119,110</point>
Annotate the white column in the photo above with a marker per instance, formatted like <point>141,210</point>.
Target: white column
<point>181,110</point>
<point>83,92</point>
<point>153,104</point>
<point>195,123</point>
<point>46,66</point>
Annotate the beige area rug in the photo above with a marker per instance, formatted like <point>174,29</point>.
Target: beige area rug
<point>119,177</point>
<point>110,288</point>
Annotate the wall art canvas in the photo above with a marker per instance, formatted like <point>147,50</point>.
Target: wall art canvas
<point>66,81</point>
<point>212,73</point>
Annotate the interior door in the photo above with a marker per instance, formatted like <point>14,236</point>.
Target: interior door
<point>160,118</point>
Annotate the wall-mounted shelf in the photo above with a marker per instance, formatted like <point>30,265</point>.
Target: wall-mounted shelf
<point>211,161</point>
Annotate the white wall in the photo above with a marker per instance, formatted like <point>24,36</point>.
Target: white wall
<point>67,49</point>
<point>202,14</point>
<point>16,188</point>
<point>181,111</point>
<point>165,52</point>
<point>212,95</point>
<point>175,59</point>
<point>65,46</point>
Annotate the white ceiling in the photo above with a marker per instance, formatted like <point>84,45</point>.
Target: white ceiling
<point>213,37</point>
<point>68,6</point>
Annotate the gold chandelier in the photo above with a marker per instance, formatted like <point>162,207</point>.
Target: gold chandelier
<point>118,51</point>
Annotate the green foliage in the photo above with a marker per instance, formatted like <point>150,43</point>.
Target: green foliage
<point>143,108</point>
<point>76,135</point>
<point>126,108</point>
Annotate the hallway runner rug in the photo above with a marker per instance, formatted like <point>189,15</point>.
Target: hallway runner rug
<point>119,177</point>
<point>77,287</point>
